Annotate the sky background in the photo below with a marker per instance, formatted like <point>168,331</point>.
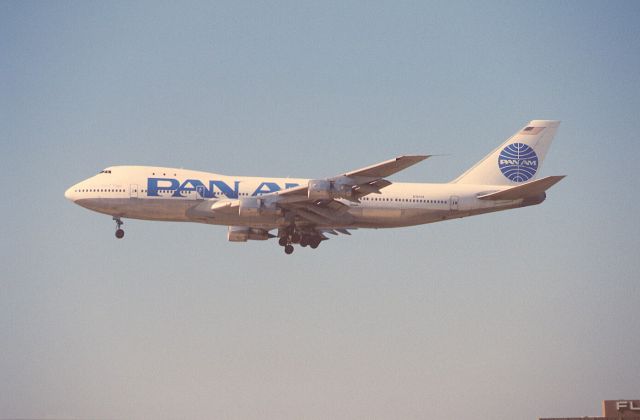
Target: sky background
<point>513,315</point>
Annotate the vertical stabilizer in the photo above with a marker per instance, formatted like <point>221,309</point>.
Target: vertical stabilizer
<point>517,160</point>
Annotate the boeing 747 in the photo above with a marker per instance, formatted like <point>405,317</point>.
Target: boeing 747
<point>306,211</point>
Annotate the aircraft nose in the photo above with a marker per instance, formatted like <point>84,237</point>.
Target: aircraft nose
<point>70,194</point>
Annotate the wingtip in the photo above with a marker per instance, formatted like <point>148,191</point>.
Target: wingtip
<point>417,158</point>
<point>544,123</point>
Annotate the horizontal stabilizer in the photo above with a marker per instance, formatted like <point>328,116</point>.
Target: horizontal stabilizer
<point>525,190</point>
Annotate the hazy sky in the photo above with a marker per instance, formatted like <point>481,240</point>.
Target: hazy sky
<point>513,315</point>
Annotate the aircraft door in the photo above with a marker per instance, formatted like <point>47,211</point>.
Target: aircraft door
<point>453,202</point>
<point>200,192</point>
<point>133,191</point>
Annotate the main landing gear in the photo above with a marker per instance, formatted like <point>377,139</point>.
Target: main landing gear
<point>288,249</point>
<point>284,241</point>
<point>119,231</point>
<point>294,237</point>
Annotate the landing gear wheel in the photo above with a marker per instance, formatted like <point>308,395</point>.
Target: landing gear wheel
<point>288,249</point>
<point>119,231</point>
<point>314,243</point>
<point>283,241</point>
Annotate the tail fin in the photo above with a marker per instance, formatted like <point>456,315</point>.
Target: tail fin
<point>517,160</point>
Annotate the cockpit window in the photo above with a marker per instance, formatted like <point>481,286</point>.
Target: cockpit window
<point>106,171</point>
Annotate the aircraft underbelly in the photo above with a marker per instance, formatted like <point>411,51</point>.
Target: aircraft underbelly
<point>189,210</point>
<point>134,208</point>
<point>396,217</point>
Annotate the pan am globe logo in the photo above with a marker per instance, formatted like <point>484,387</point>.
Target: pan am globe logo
<point>518,162</point>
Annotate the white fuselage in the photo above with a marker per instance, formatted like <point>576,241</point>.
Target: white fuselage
<point>169,194</point>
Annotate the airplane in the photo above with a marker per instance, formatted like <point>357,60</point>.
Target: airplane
<point>305,211</point>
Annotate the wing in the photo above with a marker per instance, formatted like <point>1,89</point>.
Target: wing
<point>386,168</point>
<point>350,185</point>
<point>316,209</point>
<point>317,205</point>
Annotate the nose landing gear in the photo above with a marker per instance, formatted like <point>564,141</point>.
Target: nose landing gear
<point>119,231</point>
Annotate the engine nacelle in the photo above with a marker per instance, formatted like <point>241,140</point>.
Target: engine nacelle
<point>322,189</point>
<point>244,234</point>
<point>256,206</point>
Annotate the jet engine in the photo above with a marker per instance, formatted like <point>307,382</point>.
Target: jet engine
<point>256,206</point>
<point>322,189</point>
<point>244,234</point>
